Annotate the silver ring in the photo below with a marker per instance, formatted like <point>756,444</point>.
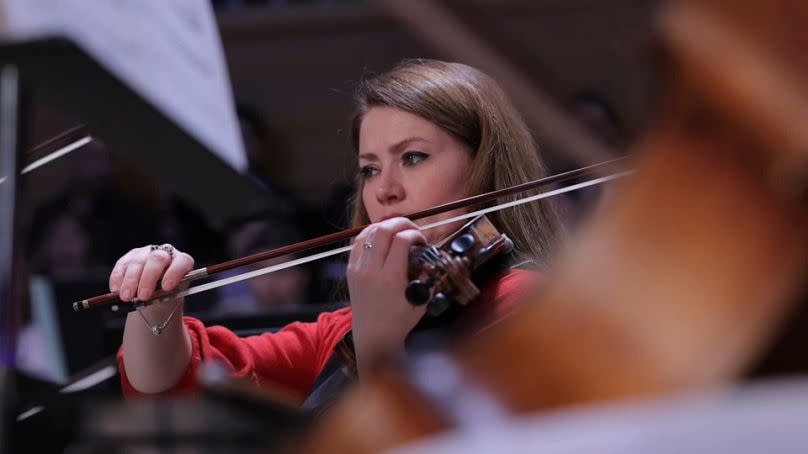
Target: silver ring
<point>368,245</point>
<point>163,247</point>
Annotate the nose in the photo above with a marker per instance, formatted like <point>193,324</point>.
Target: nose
<point>390,189</point>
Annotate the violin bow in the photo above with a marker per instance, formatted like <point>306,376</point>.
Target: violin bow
<point>595,169</point>
<point>54,148</point>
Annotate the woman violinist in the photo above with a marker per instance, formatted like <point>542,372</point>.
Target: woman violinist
<point>425,133</point>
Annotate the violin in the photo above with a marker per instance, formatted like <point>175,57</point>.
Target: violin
<point>444,276</point>
<point>440,275</point>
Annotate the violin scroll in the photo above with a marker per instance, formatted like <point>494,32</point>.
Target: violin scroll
<point>440,275</point>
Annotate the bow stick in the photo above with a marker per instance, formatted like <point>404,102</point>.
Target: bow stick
<point>199,273</point>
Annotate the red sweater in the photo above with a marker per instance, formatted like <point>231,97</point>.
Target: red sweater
<point>293,357</point>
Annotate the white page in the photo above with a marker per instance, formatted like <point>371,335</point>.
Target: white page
<point>167,51</point>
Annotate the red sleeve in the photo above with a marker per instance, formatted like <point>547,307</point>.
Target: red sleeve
<point>498,298</point>
<point>291,358</point>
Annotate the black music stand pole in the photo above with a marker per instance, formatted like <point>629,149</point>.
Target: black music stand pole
<point>11,145</point>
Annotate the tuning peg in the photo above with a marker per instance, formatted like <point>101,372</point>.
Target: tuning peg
<point>418,293</point>
<point>438,305</point>
<point>463,244</point>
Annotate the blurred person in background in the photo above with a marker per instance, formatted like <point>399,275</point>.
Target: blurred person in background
<point>60,242</point>
<point>281,290</point>
<point>96,194</point>
<point>264,150</point>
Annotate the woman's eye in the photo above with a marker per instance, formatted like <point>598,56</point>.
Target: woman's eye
<point>413,157</point>
<point>368,171</point>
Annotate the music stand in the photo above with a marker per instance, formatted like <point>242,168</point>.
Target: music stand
<point>64,73</point>
<point>12,117</point>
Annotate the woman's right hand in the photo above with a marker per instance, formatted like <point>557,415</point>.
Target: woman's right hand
<point>137,273</point>
<point>153,363</point>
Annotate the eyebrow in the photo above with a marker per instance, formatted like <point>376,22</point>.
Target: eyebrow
<point>396,146</point>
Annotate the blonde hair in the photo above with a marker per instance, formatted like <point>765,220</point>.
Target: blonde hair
<point>470,105</point>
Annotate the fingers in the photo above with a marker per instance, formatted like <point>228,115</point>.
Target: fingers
<point>116,276</point>
<point>361,250</point>
<point>179,267</point>
<point>400,245</point>
<point>138,272</point>
<point>379,237</point>
<point>131,279</point>
<point>156,263</point>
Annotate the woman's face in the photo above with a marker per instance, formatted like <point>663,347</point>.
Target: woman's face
<point>409,164</point>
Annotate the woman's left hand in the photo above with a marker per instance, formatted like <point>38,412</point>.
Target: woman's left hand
<point>377,278</point>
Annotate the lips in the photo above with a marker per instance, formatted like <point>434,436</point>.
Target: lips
<point>391,215</point>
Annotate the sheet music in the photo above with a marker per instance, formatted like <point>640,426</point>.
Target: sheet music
<point>167,51</point>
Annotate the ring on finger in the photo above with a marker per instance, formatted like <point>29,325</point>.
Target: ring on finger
<point>163,247</point>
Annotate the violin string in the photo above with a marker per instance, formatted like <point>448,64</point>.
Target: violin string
<point>430,254</point>
<point>311,258</point>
